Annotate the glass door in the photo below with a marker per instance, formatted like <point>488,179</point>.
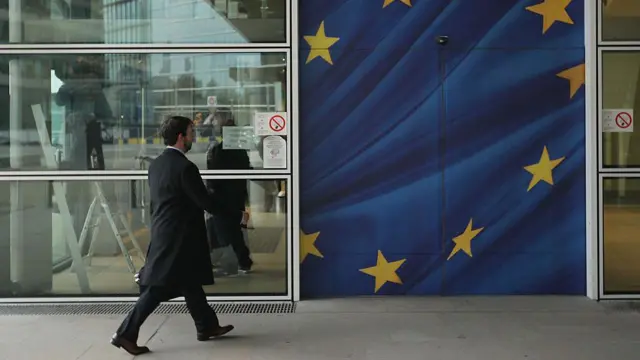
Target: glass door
<point>618,160</point>
<point>620,152</point>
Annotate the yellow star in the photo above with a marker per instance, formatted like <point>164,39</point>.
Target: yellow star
<point>552,11</point>
<point>388,2</point>
<point>463,241</point>
<point>384,271</point>
<point>320,45</point>
<point>543,170</point>
<point>308,245</point>
<point>575,75</point>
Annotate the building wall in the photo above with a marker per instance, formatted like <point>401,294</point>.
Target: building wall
<point>416,158</point>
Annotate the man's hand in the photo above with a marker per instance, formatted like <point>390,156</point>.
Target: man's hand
<point>245,218</point>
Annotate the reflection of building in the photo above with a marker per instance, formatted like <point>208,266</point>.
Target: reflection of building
<point>176,83</point>
<point>181,84</point>
<point>194,21</point>
<point>146,21</point>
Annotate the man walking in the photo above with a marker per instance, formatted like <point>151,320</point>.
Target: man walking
<point>178,261</point>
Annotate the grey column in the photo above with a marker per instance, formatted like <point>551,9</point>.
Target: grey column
<point>30,244</point>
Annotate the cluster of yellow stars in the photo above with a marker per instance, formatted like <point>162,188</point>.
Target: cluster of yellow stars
<point>385,271</point>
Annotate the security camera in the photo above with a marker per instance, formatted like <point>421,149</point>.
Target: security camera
<point>442,40</point>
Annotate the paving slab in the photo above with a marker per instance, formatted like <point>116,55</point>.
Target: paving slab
<point>378,328</point>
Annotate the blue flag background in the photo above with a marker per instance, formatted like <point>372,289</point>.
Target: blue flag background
<point>406,142</point>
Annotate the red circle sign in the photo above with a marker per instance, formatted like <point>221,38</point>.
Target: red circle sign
<point>624,120</point>
<point>277,123</point>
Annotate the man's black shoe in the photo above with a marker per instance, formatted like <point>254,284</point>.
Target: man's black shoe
<point>128,346</point>
<point>214,333</point>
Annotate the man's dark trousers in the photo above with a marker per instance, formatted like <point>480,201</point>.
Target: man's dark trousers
<point>203,315</point>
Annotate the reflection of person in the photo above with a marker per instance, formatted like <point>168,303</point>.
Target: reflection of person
<point>178,260</point>
<point>86,106</point>
<point>216,120</point>
<point>233,194</point>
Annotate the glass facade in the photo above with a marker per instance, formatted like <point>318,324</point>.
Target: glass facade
<point>146,22</point>
<point>131,94</point>
<point>621,209</point>
<point>84,86</point>
<point>620,85</point>
<point>618,161</point>
<point>620,20</point>
<point>39,260</point>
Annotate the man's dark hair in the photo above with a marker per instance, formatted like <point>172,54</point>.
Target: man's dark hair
<point>225,115</point>
<point>172,127</point>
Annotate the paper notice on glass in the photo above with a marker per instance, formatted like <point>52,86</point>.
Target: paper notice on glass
<point>237,138</point>
<point>274,153</point>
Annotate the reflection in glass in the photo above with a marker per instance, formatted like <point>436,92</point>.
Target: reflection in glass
<point>145,21</point>
<point>620,20</point>
<point>620,90</point>
<point>103,111</point>
<point>37,249</point>
<point>621,226</point>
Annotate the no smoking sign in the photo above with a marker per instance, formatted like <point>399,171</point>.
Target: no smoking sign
<point>617,120</point>
<point>270,123</point>
<point>277,123</point>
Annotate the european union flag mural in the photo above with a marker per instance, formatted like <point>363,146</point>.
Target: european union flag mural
<point>442,147</point>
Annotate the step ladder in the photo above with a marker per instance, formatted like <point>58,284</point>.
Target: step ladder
<point>59,192</point>
<point>118,223</point>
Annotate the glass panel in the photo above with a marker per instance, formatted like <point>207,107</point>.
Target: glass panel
<point>620,85</point>
<point>144,21</point>
<point>620,20</point>
<point>621,227</point>
<point>110,106</point>
<point>37,260</point>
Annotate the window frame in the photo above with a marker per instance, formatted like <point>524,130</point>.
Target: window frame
<point>600,107</point>
<point>600,228</point>
<point>290,235</point>
<point>291,85</point>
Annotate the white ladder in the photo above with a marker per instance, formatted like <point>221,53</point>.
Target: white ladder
<point>59,192</point>
<point>98,210</point>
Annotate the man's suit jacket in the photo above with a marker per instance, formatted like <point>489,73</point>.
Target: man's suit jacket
<point>178,253</point>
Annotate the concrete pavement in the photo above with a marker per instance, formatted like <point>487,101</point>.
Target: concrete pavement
<point>400,328</point>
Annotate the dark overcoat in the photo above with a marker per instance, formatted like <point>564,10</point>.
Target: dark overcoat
<point>178,253</point>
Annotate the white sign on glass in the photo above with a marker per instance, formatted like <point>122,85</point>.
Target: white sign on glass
<point>274,153</point>
<point>617,120</point>
<point>237,137</point>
